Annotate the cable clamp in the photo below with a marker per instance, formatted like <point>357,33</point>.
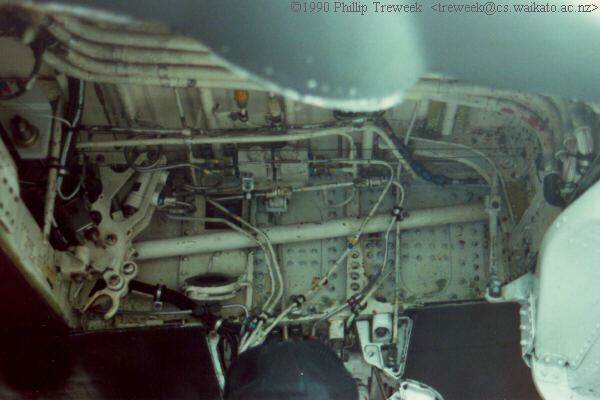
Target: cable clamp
<point>299,300</point>
<point>157,305</point>
<point>263,317</point>
<point>355,306</point>
<point>399,213</point>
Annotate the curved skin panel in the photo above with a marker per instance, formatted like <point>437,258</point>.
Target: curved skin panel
<point>568,328</point>
<point>364,60</point>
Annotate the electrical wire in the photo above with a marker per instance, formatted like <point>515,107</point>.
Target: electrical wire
<point>340,204</point>
<point>157,313</point>
<point>154,164</point>
<point>236,228</point>
<point>483,156</point>
<point>264,236</point>
<point>256,337</point>
<point>326,316</point>
<point>378,280</point>
<point>171,208</point>
<point>37,48</point>
<point>67,145</point>
<point>273,265</point>
<point>241,306</point>
<point>412,123</point>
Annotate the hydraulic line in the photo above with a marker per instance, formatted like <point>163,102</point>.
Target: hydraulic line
<point>258,335</point>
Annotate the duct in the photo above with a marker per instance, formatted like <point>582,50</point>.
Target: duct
<point>79,73</point>
<point>232,240</point>
<point>128,38</point>
<point>112,52</point>
<point>152,71</point>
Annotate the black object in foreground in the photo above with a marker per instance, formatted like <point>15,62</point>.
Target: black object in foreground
<point>289,370</point>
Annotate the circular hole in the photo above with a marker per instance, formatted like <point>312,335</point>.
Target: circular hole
<point>354,276</point>
<point>114,280</point>
<point>128,268</point>
<point>381,331</point>
<point>354,287</point>
<point>110,239</point>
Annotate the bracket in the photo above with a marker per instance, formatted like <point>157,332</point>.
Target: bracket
<point>375,353</point>
<point>111,249</point>
<point>355,270</point>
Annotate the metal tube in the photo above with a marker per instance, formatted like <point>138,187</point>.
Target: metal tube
<point>230,240</point>
<point>293,135</point>
<point>531,109</point>
<point>367,144</point>
<point>449,116</point>
<point>53,156</point>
